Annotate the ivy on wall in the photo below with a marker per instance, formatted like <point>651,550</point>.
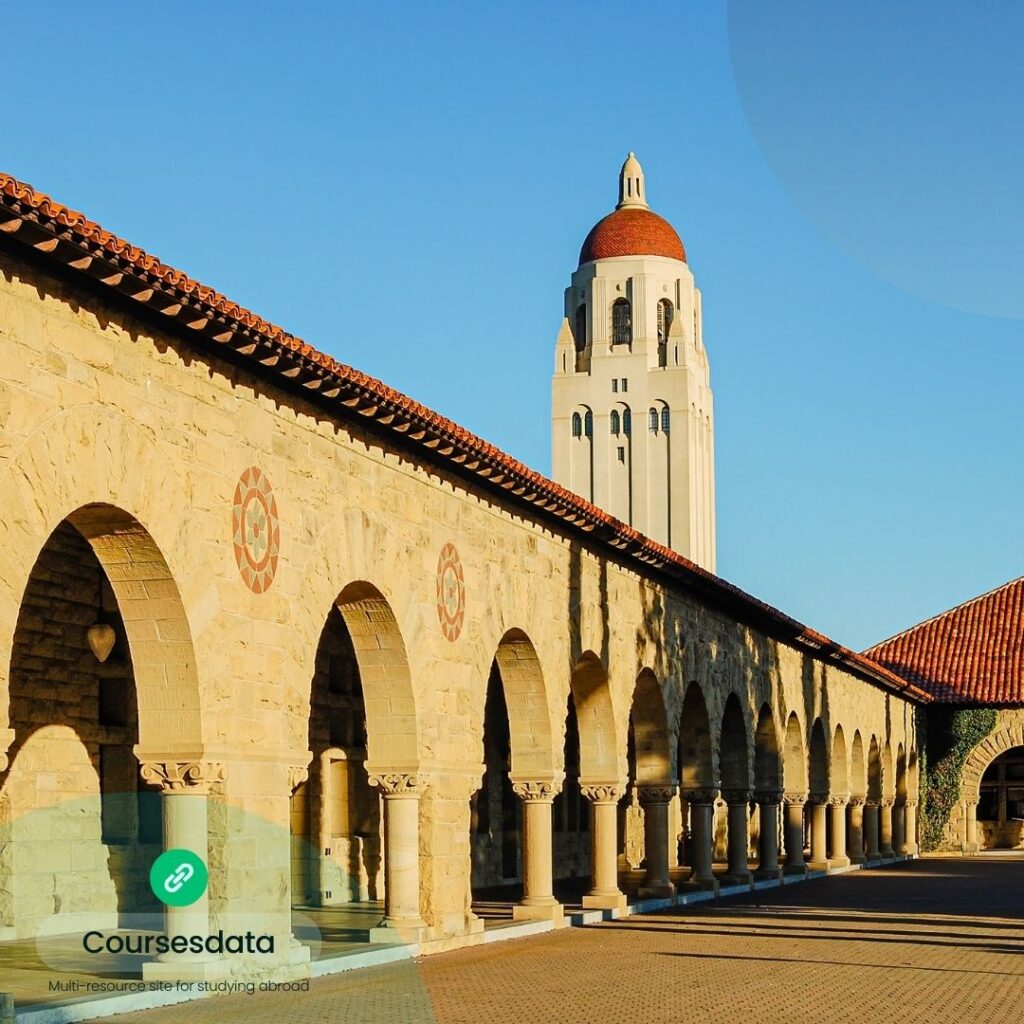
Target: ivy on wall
<point>950,735</point>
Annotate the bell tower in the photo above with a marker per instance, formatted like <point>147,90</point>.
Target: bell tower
<point>632,413</point>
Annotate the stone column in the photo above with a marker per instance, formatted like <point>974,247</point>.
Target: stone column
<point>401,792</point>
<point>819,832</point>
<point>837,857</point>
<point>971,826</point>
<point>184,790</point>
<point>738,835</point>
<point>910,829</point>
<point>768,835</point>
<point>702,816</point>
<point>793,832</point>
<point>538,902</point>
<point>655,801</point>
<point>899,827</point>
<point>871,851</point>
<point>855,831</point>
<point>885,830</point>
<point>605,893</point>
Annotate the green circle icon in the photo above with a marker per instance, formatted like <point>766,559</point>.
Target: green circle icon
<point>178,877</point>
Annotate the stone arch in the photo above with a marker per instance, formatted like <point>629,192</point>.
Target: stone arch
<point>650,731</point>
<point>531,737</point>
<point>794,760</point>
<point>595,717</point>
<point>912,776</point>
<point>984,753</point>
<point>888,773</point>
<point>901,773</point>
<point>767,756</point>
<point>874,791</point>
<point>733,748</point>
<point>839,780</point>
<point>392,724</point>
<point>818,760</point>
<point>696,749</point>
<point>858,767</point>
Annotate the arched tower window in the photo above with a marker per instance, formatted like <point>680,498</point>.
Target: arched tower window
<point>627,421</point>
<point>665,315</point>
<point>588,424</point>
<point>622,322</point>
<point>652,419</point>
<point>614,421</point>
<point>665,419</point>
<point>577,425</point>
<point>580,331</point>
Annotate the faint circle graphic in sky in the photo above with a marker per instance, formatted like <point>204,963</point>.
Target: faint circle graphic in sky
<point>896,128</point>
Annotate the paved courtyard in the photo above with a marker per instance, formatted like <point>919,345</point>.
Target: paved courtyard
<point>933,940</point>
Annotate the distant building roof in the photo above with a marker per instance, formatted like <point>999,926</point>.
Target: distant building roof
<point>972,654</point>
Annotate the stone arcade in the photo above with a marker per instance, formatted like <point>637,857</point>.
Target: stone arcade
<point>279,607</point>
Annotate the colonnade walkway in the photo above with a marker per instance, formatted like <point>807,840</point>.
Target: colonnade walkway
<point>926,940</point>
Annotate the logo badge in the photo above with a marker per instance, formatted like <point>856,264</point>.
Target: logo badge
<point>178,877</point>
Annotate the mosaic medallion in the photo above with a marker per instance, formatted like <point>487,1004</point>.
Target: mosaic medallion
<point>255,530</point>
<point>451,592</point>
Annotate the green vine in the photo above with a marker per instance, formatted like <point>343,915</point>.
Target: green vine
<point>951,734</point>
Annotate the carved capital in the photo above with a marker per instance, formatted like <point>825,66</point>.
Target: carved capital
<point>399,784</point>
<point>838,800</point>
<point>647,795</point>
<point>297,775</point>
<point>793,799</point>
<point>887,801</point>
<point>857,801</point>
<point>602,792</point>
<point>706,795</point>
<point>535,790</point>
<point>911,803</point>
<point>818,798</point>
<point>736,796</point>
<point>768,797</point>
<point>196,777</point>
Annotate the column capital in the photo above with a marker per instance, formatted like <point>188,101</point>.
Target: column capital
<point>702,795</point>
<point>838,800</point>
<point>659,794</point>
<point>192,777</point>
<point>910,803</point>
<point>886,801</point>
<point>297,775</point>
<point>768,797</point>
<point>794,799</point>
<point>409,785</point>
<point>736,796</point>
<point>819,797</point>
<point>856,801</point>
<point>537,790</point>
<point>602,792</point>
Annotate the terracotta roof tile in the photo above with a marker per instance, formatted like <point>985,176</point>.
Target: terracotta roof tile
<point>77,246</point>
<point>632,231</point>
<point>973,653</point>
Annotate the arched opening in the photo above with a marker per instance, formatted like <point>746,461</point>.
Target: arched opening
<point>622,322</point>
<point>666,313</point>
<point>102,671</point>
<point>362,720</point>
<point>696,762</point>
<point>839,783</point>
<point>517,741</point>
<point>794,761</point>
<point>819,762</point>
<point>874,772</point>
<point>767,757</point>
<point>734,769</point>
<point>1001,802</point>
<point>858,768</point>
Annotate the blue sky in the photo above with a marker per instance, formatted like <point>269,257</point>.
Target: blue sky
<point>406,186</point>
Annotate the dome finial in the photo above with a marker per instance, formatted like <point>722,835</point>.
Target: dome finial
<point>632,191</point>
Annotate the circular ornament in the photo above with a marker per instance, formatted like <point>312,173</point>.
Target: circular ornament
<point>255,530</point>
<point>451,592</point>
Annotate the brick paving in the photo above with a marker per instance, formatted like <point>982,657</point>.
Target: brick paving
<point>934,940</point>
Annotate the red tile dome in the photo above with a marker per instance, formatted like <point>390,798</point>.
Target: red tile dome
<point>632,231</point>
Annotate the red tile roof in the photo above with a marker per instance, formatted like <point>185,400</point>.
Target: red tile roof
<point>71,245</point>
<point>973,653</point>
<point>632,231</point>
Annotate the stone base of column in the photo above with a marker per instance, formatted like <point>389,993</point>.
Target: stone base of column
<point>604,901</point>
<point>188,970</point>
<point>971,848</point>
<point>552,911</point>
<point>737,878</point>
<point>768,874</point>
<point>817,865</point>
<point>656,892</point>
<point>402,932</point>
<point>700,885</point>
<point>910,850</point>
<point>839,862</point>
<point>885,855</point>
<point>858,858</point>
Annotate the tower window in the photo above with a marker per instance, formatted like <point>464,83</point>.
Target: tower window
<point>614,421</point>
<point>588,424</point>
<point>622,322</point>
<point>577,425</point>
<point>665,419</point>
<point>622,454</point>
<point>627,421</point>
<point>580,332</point>
<point>625,384</point>
<point>652,419</point>
<point>615,384</point>
<point>665,315</point>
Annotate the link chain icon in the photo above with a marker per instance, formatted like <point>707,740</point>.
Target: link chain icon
<point>178,877</point>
